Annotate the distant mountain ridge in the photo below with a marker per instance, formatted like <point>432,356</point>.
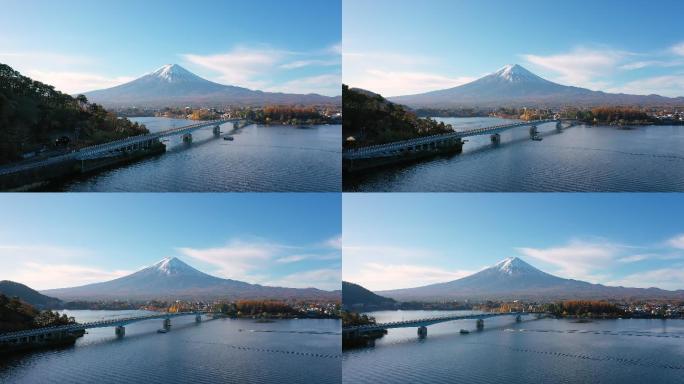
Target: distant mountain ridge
<point>175,86</point>
<point>28,295</point>
<point>171,278</point>
<point>356,296</point>
<point>515,86</point>
<point>512,278</point>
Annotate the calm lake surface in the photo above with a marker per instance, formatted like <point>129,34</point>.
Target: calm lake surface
<point>214,351</point>
<point>582,158</point>
<point>261,158</point>
<point>541,351</point>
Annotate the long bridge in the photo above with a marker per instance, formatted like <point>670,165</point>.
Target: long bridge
<point>131,143</point>
<point>435,142</point>
<point>63,331</point>
<point>422,324</point>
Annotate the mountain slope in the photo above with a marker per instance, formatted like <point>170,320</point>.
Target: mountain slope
<point>171,278</point>
<point>514,85</point>
<point>354,295</point>
<point>513,278</point>
<point>173,85</point>
<point>28,295</point>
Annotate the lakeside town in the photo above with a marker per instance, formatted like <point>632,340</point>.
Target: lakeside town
<point>270,114</point>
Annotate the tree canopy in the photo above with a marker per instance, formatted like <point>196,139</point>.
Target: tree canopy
<point>34,114</point>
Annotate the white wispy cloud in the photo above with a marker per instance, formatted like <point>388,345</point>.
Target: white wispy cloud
<point>307,63</point>
<point>67,73</point>
<point>669,85</point>
<point>253,260</point>
<point>678,49</point>
<point>664,278</point>
<point>293,258</point>
<point>380,267</point>
<point>578,259</point>
<point>77,82</point>
<point>585,67</point>
<point>42,266</point>
<point>676,241</point>
<point>334,242</point>
<point>395,74</point>
<point>379,277</point>
<point>330,84</point>
<point>44,276</point>
<point>38,58</point>
<point>242,66</point>
<point>257,68</point>
<point>326,278</point>
<point>237,259</point>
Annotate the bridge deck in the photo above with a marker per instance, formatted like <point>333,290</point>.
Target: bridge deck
<point>94,324</point>
<point>430,321</point>
<point>113,145</point>
<point>383,149</point>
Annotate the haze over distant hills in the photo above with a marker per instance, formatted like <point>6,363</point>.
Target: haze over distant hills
<point>515,86</point>
<point>513,278</point>
<point>172,279</point>
<point>175,86</point>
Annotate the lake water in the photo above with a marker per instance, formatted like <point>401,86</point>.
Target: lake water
<point>534,351</point>
<point>214,351</point>
<point>581,158</point>
<point>261,158</point>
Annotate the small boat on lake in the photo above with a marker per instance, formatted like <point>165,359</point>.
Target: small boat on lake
<point>537,138</point>
<point>228,138</point>
<point>464,331</point>
<point>162,330</point>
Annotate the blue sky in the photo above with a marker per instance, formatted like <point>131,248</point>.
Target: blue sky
<point>406,240</point>
<point>81,45</point>
<point>400,47</point>
<point>59,240</point>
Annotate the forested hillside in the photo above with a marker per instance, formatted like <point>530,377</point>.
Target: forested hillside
<point>370,120</point>
<point>34,115</point>
<point>16,315</point>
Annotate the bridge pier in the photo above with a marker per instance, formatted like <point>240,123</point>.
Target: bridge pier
<point>217,130</point>
<point>480,324</point>
<point>187,138</point>
<point>422,332</point>
<point>120,331</point>
<point>236,125</point>
<point>167,323</point>
<point>559,126</point>
<point>518,319</point>
<point>533,131</point>
<point>496,138</point>
<point>198,318</point>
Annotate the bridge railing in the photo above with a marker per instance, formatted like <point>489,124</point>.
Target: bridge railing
<point>443,136</point>
<point>10,168</point>
<point>95,324</point>
<point>434,320</point>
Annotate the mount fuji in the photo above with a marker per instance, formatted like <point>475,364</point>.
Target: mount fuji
<point>175,86</point>
<point>512,278</point>
<point>515,86</point>
<point>173,279</point>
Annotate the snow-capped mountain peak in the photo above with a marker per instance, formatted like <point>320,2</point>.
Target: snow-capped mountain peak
<point>172,73</point>
<point>171,266</point>
<point>512,265</point>
<point>514,73</point>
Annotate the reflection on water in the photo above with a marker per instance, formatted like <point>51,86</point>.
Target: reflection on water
<point>547,350</point>
<point>214,351</point>
<point>582,158</point>
<point>260,158</point>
